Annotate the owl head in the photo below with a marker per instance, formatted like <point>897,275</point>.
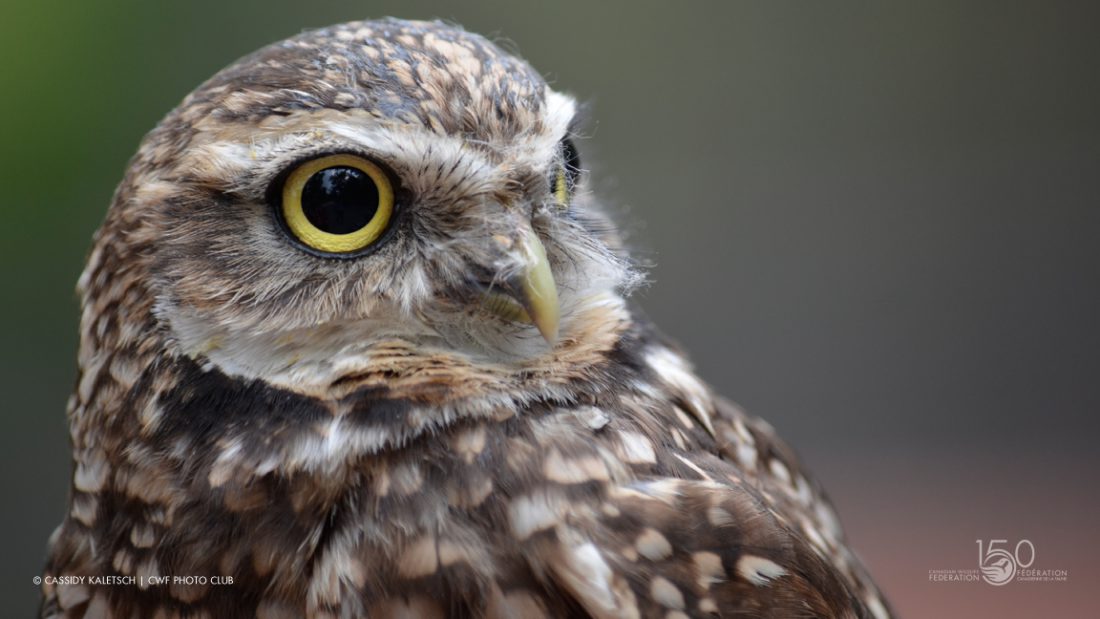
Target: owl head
<point>373,184</point>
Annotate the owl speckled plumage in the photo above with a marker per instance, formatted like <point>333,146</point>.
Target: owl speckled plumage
<point>457,414</point>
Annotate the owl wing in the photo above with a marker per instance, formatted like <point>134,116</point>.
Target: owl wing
<point>669,546</point>
<point>730,529</point>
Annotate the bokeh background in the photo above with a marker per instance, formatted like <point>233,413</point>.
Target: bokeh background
<point>875,224</point>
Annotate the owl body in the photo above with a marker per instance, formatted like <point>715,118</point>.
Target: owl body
<point>449,410</point>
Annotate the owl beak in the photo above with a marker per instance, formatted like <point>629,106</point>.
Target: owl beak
<point>530,294</point>
<point>534,287</point>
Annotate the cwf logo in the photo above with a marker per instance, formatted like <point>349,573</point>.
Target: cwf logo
<point>998,564</point>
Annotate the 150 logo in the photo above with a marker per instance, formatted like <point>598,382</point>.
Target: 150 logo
<point>998,560</point>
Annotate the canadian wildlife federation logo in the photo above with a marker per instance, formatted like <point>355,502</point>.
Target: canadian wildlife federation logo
<point>999,563</point>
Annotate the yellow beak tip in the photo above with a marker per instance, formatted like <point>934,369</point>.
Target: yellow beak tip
<point>539,291</point>
<point>549,330</point>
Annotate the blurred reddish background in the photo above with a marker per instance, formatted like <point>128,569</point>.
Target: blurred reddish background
<point>908,515</point>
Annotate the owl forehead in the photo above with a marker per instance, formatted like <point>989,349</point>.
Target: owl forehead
<point>424,74</point>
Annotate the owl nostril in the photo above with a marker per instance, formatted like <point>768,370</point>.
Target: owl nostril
<point>503,242</point>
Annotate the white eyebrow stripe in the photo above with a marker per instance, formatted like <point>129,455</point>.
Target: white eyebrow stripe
<point>257,153</point>
<point>560,110</point>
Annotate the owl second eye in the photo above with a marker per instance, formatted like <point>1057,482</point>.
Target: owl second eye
<point>564,177</point>
<point>337,204</point>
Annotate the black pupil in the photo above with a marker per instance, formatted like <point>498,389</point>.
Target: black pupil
<point>340,200</point>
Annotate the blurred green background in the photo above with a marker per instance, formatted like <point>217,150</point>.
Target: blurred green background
<point>875,224</point>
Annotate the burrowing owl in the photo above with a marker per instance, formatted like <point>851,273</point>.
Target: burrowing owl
<point>355,343</point>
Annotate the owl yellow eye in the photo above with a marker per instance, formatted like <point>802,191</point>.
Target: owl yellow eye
<point>337,204</point>
<point>564,178</point>
<point>561,187</point>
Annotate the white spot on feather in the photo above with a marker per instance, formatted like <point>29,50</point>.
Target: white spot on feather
<point>666,594</point>
<point>780,471</point>
<point>592,417</point>
<point>225,464</point>
<point>533,513</point>
<point>708,569</point>
<point>636,448</point>
<point>652,545</point>
<point>719,517</point>
<point>585,573</point>
<point>573,470</point>
<point>758,570</point>
<point>91,473</point>
<point>746,456</point>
